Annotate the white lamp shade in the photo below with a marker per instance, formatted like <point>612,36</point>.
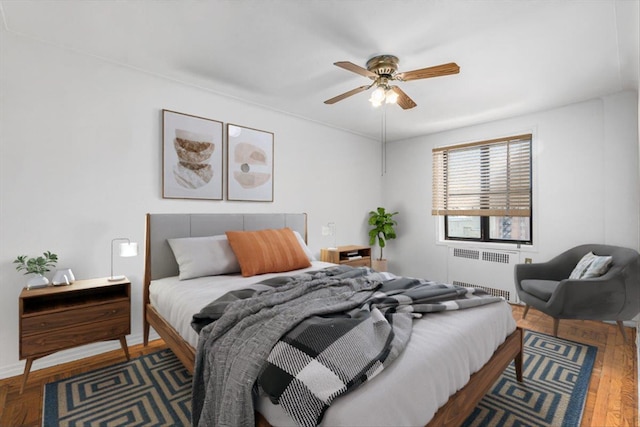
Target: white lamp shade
<point>128,249</point>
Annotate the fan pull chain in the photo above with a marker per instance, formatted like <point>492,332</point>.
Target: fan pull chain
<point>383,141</point>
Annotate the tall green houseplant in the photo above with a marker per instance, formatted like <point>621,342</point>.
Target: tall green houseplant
<point>382,223</point>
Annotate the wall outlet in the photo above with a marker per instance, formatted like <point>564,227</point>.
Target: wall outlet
<point>527,260</point>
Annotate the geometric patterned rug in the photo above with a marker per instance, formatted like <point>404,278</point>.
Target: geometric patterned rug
<point>155,390</point>
<point>151,390</point>
<point>553,392</point>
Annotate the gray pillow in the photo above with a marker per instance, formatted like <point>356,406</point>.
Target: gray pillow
<point>204,256</point>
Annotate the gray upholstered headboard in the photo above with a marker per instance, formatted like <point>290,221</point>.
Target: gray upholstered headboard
<point>160,262</point>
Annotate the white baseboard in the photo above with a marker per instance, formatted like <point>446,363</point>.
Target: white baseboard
<point>72,354</point>
<point>628,323</point>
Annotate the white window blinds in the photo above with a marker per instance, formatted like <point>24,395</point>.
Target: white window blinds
<point>487,178</point>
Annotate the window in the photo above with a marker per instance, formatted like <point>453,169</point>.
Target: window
<point>483,190</point>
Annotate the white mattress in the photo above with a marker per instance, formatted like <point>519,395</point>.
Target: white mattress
<point>444,350</point>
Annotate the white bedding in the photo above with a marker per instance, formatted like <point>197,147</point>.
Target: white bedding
<point>423,377</point>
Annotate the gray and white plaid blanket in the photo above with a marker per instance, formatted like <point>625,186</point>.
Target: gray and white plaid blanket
<point>305,340</point>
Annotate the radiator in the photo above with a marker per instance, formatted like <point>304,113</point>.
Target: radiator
<point>487,269</point>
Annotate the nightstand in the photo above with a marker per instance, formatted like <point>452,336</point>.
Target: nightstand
<point>353,255</point>
<point>60,317</point>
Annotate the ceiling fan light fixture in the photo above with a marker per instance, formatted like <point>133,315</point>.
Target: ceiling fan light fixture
<point>383,94</point>
<point>377,96</point>
<point>383,69</point>
<point>391,97</point>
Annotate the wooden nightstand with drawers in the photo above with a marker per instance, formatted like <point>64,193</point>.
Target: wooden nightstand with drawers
<point>56,318</point>
<point>353,255</point>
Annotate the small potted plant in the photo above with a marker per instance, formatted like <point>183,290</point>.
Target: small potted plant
<point>383,230</point>
<point>38,266</point>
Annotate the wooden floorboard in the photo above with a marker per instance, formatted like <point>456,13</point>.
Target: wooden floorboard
<point>26,409</point>
<point>612,399</point>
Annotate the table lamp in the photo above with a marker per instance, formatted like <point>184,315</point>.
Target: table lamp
<point>128,249</point>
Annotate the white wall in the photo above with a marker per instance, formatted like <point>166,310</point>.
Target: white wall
<point>80,164</point>
<point>585,182</point>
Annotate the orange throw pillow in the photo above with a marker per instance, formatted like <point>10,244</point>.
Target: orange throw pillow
<point>267,251</point>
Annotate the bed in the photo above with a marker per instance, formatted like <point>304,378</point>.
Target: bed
<point>169,314</point>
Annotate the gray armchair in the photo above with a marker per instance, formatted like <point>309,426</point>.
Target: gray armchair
<point>612,296</point>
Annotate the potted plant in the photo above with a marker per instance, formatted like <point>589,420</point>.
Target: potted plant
<point>383,230</point>
<point>38,266</point>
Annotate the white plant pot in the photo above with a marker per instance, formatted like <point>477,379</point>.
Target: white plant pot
<point>37,281</point>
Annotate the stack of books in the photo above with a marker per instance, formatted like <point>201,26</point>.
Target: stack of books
<point>353,255</point>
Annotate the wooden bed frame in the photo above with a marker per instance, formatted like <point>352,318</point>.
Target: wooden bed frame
<point>454,412</point>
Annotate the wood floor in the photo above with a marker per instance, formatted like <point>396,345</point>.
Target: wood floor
<point>613,390</point>
<point>612,399</point>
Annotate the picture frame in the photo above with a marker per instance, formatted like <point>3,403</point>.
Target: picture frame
<point>249,164</point>
<point>192,153</point>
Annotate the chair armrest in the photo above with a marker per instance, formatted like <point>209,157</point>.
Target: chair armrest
<point>598,298</point>
<point>550,270</point>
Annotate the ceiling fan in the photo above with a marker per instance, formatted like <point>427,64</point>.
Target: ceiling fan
<point>382,69</point>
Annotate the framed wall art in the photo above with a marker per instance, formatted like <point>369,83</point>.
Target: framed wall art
<point>192,157</point>
<point>249,164</point>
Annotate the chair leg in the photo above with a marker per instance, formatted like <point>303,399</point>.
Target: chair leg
<point>526,310</point>
<point>621,327</point>
<point>556,323</point>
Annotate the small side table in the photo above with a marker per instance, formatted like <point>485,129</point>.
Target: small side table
<point>56,318</point>
<point>353,255</point>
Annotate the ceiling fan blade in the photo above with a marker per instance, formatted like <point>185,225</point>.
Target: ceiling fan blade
<point>403,99</point>
<point>347,94</point>
<point>350,66</point>
<point>425,73</point>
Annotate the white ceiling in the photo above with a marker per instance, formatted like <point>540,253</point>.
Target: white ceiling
<point>515,56</point>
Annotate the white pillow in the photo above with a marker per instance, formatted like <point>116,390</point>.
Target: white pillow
<point>304,246</point>
<point>204,256</point>
<point>591,266</point>
<point>581,268</point>
<point>598,266</point>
